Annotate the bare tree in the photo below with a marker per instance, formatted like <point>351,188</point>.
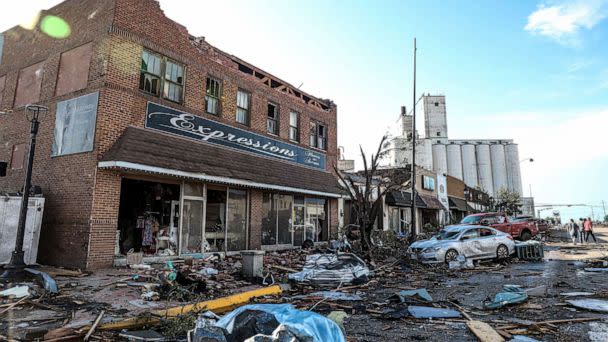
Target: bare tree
<point>366,190</point>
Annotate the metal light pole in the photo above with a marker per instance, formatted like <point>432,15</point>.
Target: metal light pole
<point>413,208</point>
<point>14,270</point>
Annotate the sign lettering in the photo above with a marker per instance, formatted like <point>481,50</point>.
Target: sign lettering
<point>194,127</point>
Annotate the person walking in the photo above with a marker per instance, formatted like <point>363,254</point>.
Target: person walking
<point>581,225</point>
<point>588,228</point>
<point>573,230</point>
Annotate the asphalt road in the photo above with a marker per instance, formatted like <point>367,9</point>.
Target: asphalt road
<point>561,271</point>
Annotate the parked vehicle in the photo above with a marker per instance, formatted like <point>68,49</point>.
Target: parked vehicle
<point>473,241</point>
<point>541,224</point>
<point>521,230</point>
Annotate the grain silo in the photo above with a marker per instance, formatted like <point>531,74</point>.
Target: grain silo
<point>440,159</point>
<point>454,160</point>
<point>513,170</point>
<point>469,165</point>
<point>499,169</point>
<point>484,168</point>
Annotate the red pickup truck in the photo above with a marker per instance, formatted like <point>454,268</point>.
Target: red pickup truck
<point>521,230</point>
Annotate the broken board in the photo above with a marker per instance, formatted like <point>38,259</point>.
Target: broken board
<point>484,332</point>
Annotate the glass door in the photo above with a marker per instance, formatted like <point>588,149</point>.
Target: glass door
<point>236,232</point>
<point>193,213</point>
<point>316,220</point>
<point>215,219</point>
<point>298,220</point>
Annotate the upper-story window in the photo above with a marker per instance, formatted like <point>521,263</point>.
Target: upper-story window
<point>272,122</point>
<point>213,95</point>
<point>152,78</point>
<point>294,126</point>
<point>318,135</point>
<point>243,103</point>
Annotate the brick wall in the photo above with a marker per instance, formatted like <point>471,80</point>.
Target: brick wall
<point>82,202</point>
<point>66,181</point>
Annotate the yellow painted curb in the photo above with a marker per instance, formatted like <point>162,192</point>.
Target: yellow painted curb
<point>218,306</point>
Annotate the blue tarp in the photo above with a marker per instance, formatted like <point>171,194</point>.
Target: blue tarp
<point>304,325</point>
<point>511,294</point>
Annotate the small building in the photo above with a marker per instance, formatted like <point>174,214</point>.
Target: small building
<point>157,141</point>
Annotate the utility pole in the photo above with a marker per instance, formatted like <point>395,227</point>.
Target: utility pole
<point>604,207</point>
<point>413,225</point>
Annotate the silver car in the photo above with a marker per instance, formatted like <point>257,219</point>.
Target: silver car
<point>472,241</point>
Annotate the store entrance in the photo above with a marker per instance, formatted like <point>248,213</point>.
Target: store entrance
<point>148,218</point>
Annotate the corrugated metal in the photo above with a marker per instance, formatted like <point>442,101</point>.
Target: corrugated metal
<point>454,161</point>
<point>499,169</point>
<point>469,165</point>
<point>513,170</point>
<point>484,168</point>
<point>440,159</point>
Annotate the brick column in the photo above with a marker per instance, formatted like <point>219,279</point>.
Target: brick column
<point>104,220</point>
<point>255,219</point>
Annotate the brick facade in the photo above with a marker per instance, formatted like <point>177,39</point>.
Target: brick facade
<point>82,201</point>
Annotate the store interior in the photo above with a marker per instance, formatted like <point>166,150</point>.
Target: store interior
<point>148,219</point>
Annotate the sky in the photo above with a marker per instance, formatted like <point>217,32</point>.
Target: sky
<point>532,71</point>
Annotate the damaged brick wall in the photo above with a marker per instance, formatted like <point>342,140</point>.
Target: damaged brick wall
<point>82,202</point>
<point>66,181</point>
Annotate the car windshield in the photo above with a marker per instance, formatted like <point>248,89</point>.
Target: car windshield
<point>447,234</point>
<point>471,219</point>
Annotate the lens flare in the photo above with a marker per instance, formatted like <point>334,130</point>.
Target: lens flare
<point>55,27</point>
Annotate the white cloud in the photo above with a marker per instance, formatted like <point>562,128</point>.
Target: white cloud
<point>564,20</point>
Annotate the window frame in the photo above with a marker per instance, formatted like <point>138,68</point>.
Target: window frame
<point>248,109</point>
<point>275,120</point>
<point>220,87</point>
<point>317,135</point>
<point>296,127</point>
<point>162,76</point>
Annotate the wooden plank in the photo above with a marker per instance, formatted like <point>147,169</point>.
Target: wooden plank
<point>484,332</point>
<point>92,330</point>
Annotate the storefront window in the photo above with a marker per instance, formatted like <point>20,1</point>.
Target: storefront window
<point>193,189</point>
<point>237,220</point>
<point>316,218</point>
<point>277,219</point>
<point>269,219</point>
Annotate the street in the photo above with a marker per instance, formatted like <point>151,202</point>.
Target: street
<point>562,271</point>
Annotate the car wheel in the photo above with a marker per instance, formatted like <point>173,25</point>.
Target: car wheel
<point>450,255</point>
<point>502,252</point>
<point>525,235</point>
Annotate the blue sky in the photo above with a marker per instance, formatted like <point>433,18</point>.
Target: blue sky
<point>533,71</point>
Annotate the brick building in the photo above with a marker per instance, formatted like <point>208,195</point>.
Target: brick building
<point>157,141</point>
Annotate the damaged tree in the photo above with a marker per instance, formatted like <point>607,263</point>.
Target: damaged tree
<point>507,201</point>
<point>366,190</point>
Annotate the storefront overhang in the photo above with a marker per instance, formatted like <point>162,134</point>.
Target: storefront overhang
<point>141,150</point>
<point>207,178</point>
<point>458,204</point>
<point>403,199</point>
<point>432,202</point>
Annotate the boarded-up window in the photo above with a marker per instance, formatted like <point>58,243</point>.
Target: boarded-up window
<point>74,69</point>
<point>28,85</point>
<point>18,157</point>
<point>75,125</point>
<point>2,86</point>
